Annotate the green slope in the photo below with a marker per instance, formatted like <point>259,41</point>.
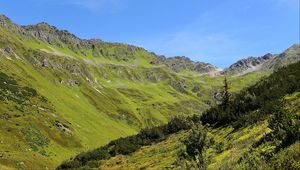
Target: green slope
<point>87,94</point>
<point>259,129</point>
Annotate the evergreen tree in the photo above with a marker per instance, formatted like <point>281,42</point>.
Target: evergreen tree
<point>226,95</point>
<point>195,145</point>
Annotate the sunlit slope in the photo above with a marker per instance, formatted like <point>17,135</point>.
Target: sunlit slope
<point>228,148</point>
<point>258,128</point>
<point>59,98</point>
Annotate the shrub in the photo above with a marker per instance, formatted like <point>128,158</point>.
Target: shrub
<point>195,145</point>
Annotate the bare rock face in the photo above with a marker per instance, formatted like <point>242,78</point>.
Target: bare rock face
<point>49,34</point>
<point>180,63</point>
<point>266,62</point>
<point>54,36</point>
<point>247,65</point>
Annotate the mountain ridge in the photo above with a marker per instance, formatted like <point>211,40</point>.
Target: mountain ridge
<point>267,62</point>
<point>57,37</point>
<point>59,98</point>
<point>52,35</point>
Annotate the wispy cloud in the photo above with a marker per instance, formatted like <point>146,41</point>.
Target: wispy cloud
<point>197,42</point>
<point>96,4</point>
<point>91,5</point>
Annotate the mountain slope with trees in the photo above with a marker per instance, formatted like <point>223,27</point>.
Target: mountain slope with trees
<point>61,95</point>
<point>257,128</point>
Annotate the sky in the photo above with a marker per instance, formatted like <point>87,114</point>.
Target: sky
<point>214,31</point>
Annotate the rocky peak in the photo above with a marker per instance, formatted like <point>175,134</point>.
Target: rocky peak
<point>180,63</point>
<point>4,20</point>
<point>55,36</point>
<point>289,56</point>
<point>45,25</point>
<point>293,50</point>
<point>266,62</point>
<point>49,34</point>
<point>248,64</point>
<point>267,56</point>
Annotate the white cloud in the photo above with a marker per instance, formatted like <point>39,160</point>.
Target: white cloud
<point>91,5</point>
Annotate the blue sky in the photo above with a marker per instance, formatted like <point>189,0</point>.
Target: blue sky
<point>215,31</point>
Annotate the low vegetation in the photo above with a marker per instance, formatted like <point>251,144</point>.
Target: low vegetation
<point>61,96</point>
<point>269,131</point>
<point>127,145</point>
<point>256,101</point>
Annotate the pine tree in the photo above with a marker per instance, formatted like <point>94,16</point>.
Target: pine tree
<point>226,95</point>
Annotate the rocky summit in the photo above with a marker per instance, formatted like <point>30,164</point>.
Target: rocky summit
<point>264,63</point>
<point>181,63</point>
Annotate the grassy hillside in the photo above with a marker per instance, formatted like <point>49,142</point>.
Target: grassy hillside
<point>259,128</point>
<point>61,95</point>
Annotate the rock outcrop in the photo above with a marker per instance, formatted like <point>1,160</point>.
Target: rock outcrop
<point>181,63</point>
<point>264,63</point>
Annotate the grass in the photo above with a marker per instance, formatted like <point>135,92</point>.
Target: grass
<point>229,148</point>
<point>160,156</point>
<point>166,153</point>
<point>115,98</point>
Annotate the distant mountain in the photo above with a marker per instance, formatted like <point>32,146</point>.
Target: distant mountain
<point>289,56</point>
<point>264,63</point>
<point>181,63</point>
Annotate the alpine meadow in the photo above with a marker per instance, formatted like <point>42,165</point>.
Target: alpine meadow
<point>68,102</point>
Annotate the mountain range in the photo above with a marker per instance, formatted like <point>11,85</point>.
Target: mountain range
<point>61,95</point>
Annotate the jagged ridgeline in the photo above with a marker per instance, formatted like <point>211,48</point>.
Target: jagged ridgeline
<point>260,128</point>
<point>61,95</point>
<point>264,63</point>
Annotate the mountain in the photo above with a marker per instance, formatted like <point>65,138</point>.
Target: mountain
<point>264,63</point>
<point>248,65</point>
<point>259,129</point>
<point>61,95</point>
<point>126,53</point>
<point>182,63</point>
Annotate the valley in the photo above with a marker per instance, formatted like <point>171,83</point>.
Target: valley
<point>61,95</point>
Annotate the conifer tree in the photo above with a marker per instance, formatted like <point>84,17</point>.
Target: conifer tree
<point>226,95</point>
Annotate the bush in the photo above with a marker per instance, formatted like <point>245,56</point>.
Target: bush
<point>285,126</point>
<point>195,145</point>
